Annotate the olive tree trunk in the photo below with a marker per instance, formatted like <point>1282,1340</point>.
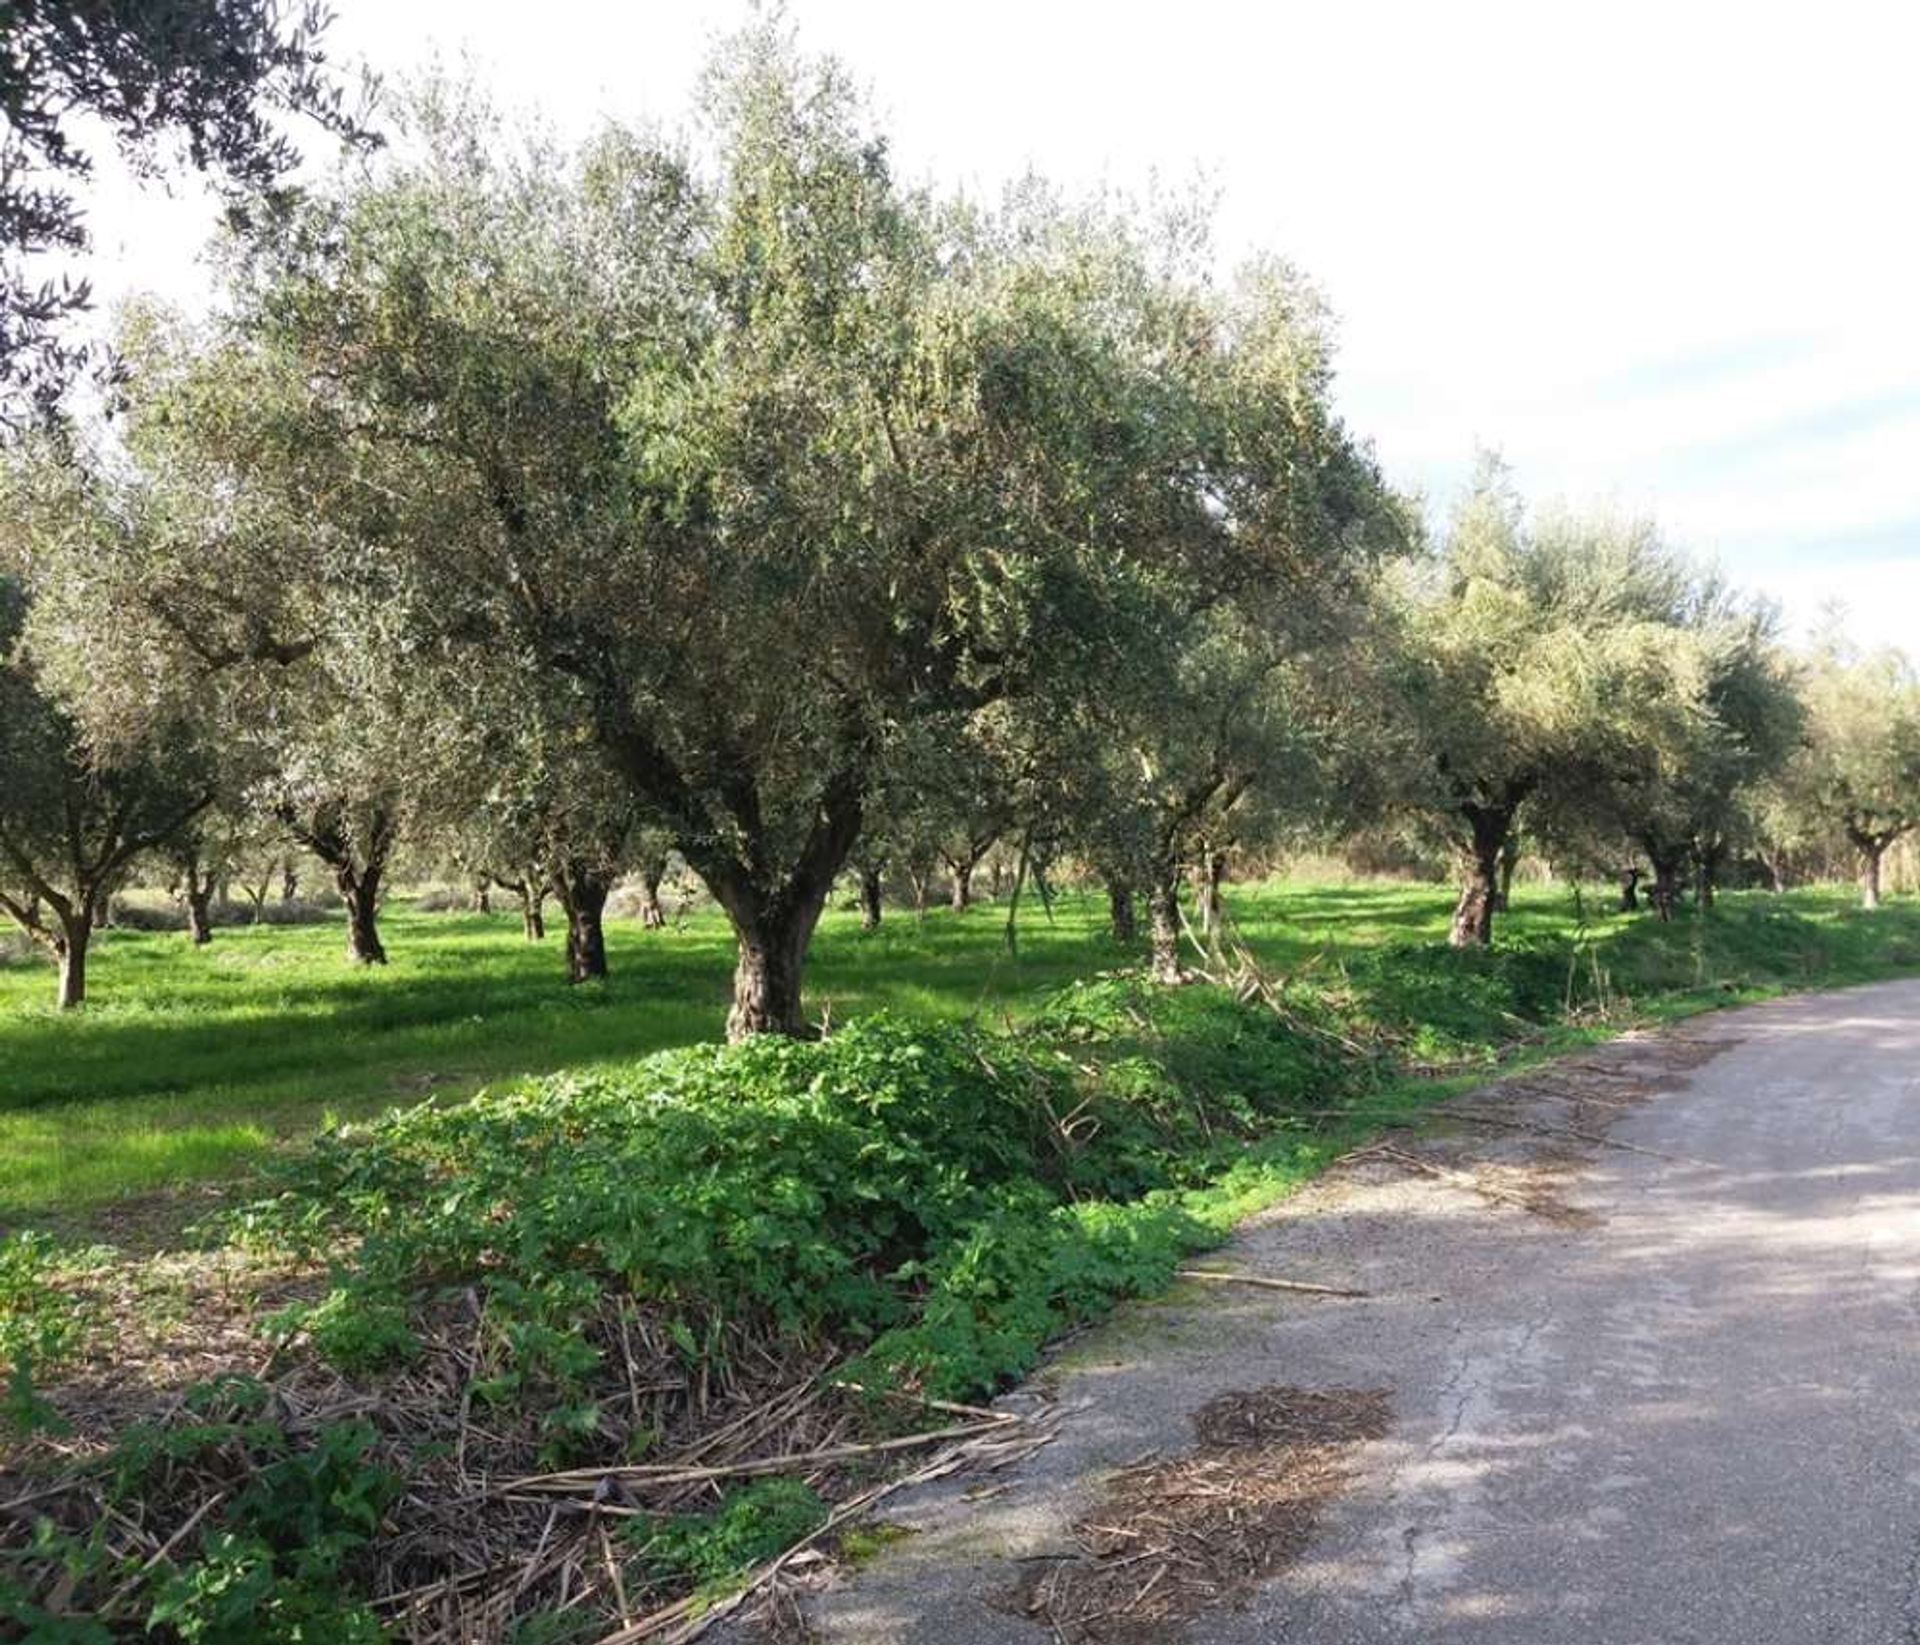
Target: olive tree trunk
<point>1163,927</point>
<point>358,859</point>
<point>1870,860</point>
<point>1207,880</point>
<point>871,906</point>
<point>360,890</point>
<point>582,891</point>
<point>771,887</point>
<point>1489,826</point>
<point>1665,895</point>
<point>652,916</point>
<point>774,910</point>
<point>770,958</point>
<point>530,892</point>
<point>1709,858</point>
<point>1630,890</point>
<point>1126,928</point>
<point>199,915</point>
<point>70,952</point>
<point>1509,860</point>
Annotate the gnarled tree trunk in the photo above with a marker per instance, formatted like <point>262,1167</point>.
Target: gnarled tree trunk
<point>653,870</point>
<point>531,894</point>
<point>582,890</point>
<point>1163,927</point>
<point>1630,889</point>
<point>1208,877</point>
<point>70,953</point>
<point>767,973</point>
<point>1120,910</point>
<point>1710,855</point>
<point>1665,895</point>
<point>1509,860</point>
<point>194,889</point>
<point>359,864</point>
<point>360,890</point>
<point>772,891</point>
<point>773,913</point>
<point>960,885</point>
<point>1872,844</point>
<point>870,899</point>
<point>199,915</point>
<point>1489,826</point>
<point>1871,857</point>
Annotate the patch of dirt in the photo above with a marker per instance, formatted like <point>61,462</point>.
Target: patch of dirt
<point>1173,1539</point>
<point>139,1225</point>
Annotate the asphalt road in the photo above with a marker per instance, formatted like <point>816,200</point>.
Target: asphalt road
<point>1682,1408</point>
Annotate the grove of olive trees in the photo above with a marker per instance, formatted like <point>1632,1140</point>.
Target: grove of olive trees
<point>554,511</point>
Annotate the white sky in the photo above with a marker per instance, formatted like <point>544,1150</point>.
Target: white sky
<point>1666,254</point>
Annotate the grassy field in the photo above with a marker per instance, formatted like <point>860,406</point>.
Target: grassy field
<point>188,1065</point>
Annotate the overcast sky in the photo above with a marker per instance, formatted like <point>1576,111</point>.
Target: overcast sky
<point>1665,254</point>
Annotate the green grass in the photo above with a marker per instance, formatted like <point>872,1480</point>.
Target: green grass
<point>189,1066</point>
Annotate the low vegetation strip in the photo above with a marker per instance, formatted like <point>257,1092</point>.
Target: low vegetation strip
<point>575,1358</point>
<point>198,1063</point>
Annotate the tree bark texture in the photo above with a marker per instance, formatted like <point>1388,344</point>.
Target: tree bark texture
<point>1709,857</point>
<point>1480,879</point>
<point>582,889</point>
<point>360,891</point>
<point>1126,928</point>
<point>871,906</point>
<point>1665,895</point>
<point>1207,880</point>
<point>1163,928</point>
<point>1870,859</point>
<point>1509,860</point>
<point>653,917</point>
<point>70,950</point>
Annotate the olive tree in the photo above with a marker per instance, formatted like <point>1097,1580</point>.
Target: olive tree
<point>1527,658</point>
<point>519,792</point>
<point>1729,719</point>
<point>1859,770</point>
<point>76,809</point>
<point>761,458</point>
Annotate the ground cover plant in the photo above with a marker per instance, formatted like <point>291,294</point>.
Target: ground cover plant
<point>680,1305</point>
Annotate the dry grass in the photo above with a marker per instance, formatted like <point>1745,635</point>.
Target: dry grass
<point>483,1534</point>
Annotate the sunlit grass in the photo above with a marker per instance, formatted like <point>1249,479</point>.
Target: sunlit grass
<point>189,1065</point>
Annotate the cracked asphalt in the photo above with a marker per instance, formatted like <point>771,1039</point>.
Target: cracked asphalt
<point>1680,1408</point>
